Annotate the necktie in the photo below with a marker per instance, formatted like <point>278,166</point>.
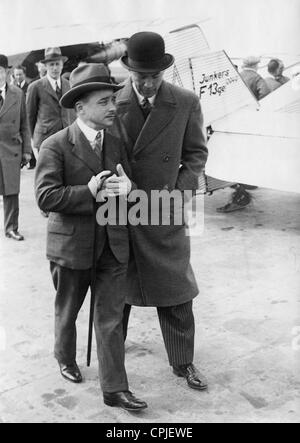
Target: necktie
<point>146,108</point>
<point>97,145</point>
<point>58,91</point>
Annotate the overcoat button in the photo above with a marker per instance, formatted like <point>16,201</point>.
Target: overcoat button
<point>166,159</point>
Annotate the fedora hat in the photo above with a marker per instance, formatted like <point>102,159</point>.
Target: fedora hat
<point>4,62</point>
<point>87,78</point>
<point>53,54</point>
<point>146,53</point>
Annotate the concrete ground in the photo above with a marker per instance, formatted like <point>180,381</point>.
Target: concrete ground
<point>248,326</point>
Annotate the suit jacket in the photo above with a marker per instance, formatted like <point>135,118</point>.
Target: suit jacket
<point>65,166</point>
<point>46,115</point>
<point>24,88</point>
<point>14,140</point>
<point>167,152</point>
<point>255,83</point>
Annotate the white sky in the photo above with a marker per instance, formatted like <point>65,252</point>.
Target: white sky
<point>238,26</point>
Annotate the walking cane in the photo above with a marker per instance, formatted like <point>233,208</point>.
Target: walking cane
<point>93,296</point>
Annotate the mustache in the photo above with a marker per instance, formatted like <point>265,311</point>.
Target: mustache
<point>111,115</point>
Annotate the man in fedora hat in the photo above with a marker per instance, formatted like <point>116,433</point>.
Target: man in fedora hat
<point>71,169</point>
<point>14,148</point>
<point>46,115</point>
<point>167,151</point>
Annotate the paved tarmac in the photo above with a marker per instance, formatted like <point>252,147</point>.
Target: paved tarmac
<point>247,316</point>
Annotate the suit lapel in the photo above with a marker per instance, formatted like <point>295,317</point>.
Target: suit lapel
<point>130,112</point>
<point>64,86</point>
<point>83,150</point>
<point>10,100</point>
<point>49,88</point>
<point>141,133</point>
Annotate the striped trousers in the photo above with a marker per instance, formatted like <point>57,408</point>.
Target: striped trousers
<point>178,329</point>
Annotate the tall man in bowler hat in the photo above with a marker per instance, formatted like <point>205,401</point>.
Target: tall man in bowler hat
<point>167,150</point>
<point>14,149</point>
<point>46,115</point>
<point>71,169</point>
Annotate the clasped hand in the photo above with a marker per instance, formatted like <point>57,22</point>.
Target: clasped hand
<point>117,185</point>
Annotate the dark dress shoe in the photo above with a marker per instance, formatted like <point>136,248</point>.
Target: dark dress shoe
<point>15,235</point>
<point>71,373</point>
<point>194,378</point>
<point>125,400</point>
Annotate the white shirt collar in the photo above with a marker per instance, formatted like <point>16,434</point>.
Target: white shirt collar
<point>53,82</point>
<point>140,97</point>
<point>90,133</point>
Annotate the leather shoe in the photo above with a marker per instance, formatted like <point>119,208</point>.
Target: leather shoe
<point>194,378</point>
<point>125,400</point>
<point>71,372</point>
<point>15,235</point>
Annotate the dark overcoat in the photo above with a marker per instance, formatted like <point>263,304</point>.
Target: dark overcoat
<point>65,166</point>
<point>46,115</point>
<point>167,152</point>
<point>14,140</point>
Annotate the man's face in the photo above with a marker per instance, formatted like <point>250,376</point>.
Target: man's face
<point>280,69</point>
<point>147,84</point>
<point>3,76</point>
<point>19,75</point>
<point>98,109</point>
<point>54,69</point>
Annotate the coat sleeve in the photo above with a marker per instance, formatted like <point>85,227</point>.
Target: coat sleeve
<point>32,103</point>
<point>51,193</point>
<point>194,151</point>
<point>24,129</point>
<point>262,88</point>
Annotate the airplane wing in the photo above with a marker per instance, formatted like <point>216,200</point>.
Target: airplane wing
<point>260,148</point>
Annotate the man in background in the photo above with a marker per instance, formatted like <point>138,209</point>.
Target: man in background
<point>14,149</point>
<point>277,79</point>
<point>46,115</point>
<point>19,76</point>
<point>19,80</point>
<point>253,79</point>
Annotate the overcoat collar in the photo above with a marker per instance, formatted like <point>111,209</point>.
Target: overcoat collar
<point>10,100</point>
<point>141,133</point>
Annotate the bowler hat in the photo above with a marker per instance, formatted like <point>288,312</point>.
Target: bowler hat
<point>87,78</point>
<point>146,53</point>
<point>53,54</point>
<point>4,61</point>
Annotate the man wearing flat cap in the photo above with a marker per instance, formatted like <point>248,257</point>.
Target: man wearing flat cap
<point>167,151</point>
<point>14,149</point>
<point>253,80</point>
<point>72,167</point>
<point>46,115</point>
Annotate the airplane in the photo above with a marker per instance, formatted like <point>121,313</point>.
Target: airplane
<point>246,138</point>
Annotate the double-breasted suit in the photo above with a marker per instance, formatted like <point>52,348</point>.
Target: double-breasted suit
<point>46,115</point>
<point>167,151</point>
<point>14,142</point>
<point>65,166</point>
